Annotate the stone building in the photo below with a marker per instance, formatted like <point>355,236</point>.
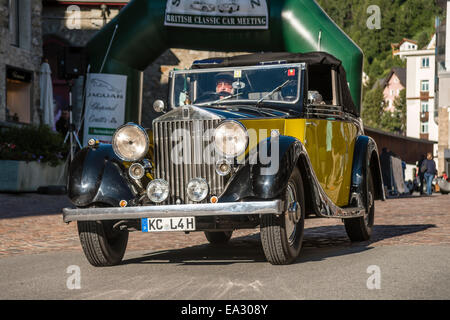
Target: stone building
<point>20,60</point>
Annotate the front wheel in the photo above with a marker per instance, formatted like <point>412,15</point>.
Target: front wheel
<point>282,236</point>
<point>360,229</point>
<point>102,244</point>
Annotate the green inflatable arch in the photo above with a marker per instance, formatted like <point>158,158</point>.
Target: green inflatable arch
<point>139,37</point>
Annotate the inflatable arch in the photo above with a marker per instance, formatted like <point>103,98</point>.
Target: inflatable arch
<point>137,36</point>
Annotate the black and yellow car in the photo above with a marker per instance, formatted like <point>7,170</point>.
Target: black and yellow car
<point>254,140</point>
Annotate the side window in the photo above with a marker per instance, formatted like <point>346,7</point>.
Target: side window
<point>323,86</point>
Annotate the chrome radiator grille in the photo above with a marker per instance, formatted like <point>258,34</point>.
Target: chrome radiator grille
<point>167,143</point>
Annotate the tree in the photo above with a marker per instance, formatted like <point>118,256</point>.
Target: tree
<point>396,121</point>
<point>372,109</point>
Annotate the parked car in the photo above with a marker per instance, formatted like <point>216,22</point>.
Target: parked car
<point>203,6</point>
<point>283,143</point>
<point>228,7</point>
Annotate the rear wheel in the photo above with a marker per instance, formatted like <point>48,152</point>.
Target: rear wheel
<point>218,237</point>
<point>102,244</point>
<point>282,236</point>
<point>360,229</point>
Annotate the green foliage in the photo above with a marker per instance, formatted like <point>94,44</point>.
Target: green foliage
<point>373,107</point>
<point>413,19</point>
<point>30,143</point>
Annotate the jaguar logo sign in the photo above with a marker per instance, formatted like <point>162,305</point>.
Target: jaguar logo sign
<point>218,14</point>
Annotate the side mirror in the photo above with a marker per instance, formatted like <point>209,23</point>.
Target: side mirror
<point>159,106</point>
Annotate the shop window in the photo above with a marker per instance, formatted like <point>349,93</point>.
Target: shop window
<point>18,95</point>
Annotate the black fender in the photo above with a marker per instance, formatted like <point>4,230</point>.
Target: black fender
<point>264,181</point>
<point>96,175</point>
<point>365,155</point>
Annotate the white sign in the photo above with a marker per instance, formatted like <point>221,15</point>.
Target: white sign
<point>105,106</point>
<point>219,14</point>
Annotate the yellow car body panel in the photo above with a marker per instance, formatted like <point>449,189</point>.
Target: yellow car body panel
<point>330,145</point>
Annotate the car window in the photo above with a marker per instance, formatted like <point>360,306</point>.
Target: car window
<point>280,84</point>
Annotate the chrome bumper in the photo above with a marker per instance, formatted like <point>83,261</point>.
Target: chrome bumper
<point>167,211</point>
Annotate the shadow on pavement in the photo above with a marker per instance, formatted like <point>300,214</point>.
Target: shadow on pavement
<point>17,205</point>
<point>319,243</point>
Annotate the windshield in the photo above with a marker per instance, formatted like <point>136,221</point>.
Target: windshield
<point>255,85</point>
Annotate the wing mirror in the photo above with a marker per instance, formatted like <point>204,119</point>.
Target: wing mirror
<point>159,106</point>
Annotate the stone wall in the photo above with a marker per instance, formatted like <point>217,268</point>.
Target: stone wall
<point>27,57</point>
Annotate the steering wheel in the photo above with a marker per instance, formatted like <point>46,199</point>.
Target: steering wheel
<point>211,96</point>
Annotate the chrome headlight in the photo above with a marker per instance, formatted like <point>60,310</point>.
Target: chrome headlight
<point>197,189</point>
<point>231,138</point>
<point>158,190</point>
<point>130,142</point>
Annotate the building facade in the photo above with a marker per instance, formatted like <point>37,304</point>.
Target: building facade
<point>394,83</point>
<point>421,121</point>
<point>20,60</point>
<point>443,88</point>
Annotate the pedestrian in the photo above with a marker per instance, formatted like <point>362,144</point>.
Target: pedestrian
<point>62,125</point>
<point>429,171</point>
<point>385,167</point>
<point>420,173</point>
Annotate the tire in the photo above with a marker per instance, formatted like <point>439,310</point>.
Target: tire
<point>282,237</point>
<point>102,245</point>
<point>360,229</point>
<point>218,237</point>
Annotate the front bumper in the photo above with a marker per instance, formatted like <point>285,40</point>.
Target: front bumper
<point>168,211</point>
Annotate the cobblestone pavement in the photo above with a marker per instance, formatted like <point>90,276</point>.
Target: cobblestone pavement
<point>32,223</point>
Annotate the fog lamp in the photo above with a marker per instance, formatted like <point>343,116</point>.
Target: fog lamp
<point>158,190</point>
<point>136,171</point>
<point>197,189</point>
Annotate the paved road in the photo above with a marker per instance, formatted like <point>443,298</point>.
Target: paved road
<point>409,250</point>
<point>235,272</point>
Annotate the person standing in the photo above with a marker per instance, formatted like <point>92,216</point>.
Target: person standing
<point>420,173</point>
<point>430,171</point>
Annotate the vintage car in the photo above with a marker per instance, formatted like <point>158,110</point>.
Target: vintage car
<point>202,6</point>
<point>254,140</point>
<point>229,7</point>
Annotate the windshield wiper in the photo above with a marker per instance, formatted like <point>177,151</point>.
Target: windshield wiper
<point>227,97</point>
<point>272,92</point>
<point>219,100</point>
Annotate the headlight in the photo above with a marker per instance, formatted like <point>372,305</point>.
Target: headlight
<point>231,138</point>
<point>197,189</point>
<point>130,142</point>
<point>158,190</point>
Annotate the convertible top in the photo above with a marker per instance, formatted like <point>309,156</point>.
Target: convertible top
<point>310,58</point>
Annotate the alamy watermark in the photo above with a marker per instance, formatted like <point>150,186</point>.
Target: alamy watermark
<point>195,149</point>
<point>74,280</point>
<point>374,21</point>
<point>374,280</point>
<point>73,17</point>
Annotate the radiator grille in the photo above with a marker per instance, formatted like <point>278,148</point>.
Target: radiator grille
<point>188,141</point>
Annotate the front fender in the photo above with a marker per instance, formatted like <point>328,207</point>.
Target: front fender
<point>366,155</point>
<point>96,176</point>
<point>259,178</point>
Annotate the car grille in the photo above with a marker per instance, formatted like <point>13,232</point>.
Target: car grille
<point>179,174</point>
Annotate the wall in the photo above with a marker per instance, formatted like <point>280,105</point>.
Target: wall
<point>27,56</point>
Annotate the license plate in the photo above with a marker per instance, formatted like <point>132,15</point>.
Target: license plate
<point>168,224</point>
